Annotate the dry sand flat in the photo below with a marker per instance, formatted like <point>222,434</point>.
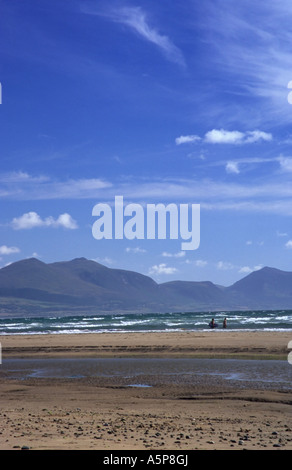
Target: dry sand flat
<point>104,413</point>
<point>171,344</point>
<point>85,416</point>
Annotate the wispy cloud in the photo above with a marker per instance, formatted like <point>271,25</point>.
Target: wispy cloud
<point>137,21</point>
<point>281,234</point>
<point>252,43</point>
<point>25,186</point>
<point>19,177</point>
<point>234,166</point>
<point>272,195</point>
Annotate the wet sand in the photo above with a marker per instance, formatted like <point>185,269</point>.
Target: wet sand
<point>114,412</point>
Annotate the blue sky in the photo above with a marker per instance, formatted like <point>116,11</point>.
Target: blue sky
<point>160,102</point>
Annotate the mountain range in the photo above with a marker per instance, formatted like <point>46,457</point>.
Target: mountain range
<point>32,287</point>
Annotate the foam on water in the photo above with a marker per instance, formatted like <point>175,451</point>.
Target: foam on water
<point>172,321</point>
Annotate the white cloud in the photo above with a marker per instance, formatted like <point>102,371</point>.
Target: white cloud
<point>180,254</point>
<point>281,234</point>
<point>105,260</point>
<point>232,167</point>
<point>201,263</point>
<point>162,269</point>
<point>66,221</point>
<point>186,139</point>
<point>289,244</point>
<point>195,155</point>
<point>221,136</point>
<point>250,242</point>
<point>258,267</point>
<point>32,220</point>
<point>245,270</point>
<point>256,136</point>
<point>135,250</point>
<point>27,221</point>
<point>224,265</point>
<point>285,163</point>
<point>6,250</point>
<point>248,270</point>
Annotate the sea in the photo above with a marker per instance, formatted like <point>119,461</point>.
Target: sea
<point>265,320</point>
<point>149,372</point>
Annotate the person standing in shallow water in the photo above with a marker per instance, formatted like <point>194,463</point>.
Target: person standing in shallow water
<point>212,323</point>
<point>225,323</point>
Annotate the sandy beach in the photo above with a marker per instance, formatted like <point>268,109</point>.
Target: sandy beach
<point>170,344</point>
<point>173,412</point>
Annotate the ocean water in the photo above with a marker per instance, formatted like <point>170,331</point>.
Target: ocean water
<point>268,320</point>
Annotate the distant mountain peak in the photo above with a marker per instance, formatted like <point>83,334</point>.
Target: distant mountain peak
<point>268,269</point>
<point>26,262</point>
<point>84,284</point>
<point>82,258</point>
